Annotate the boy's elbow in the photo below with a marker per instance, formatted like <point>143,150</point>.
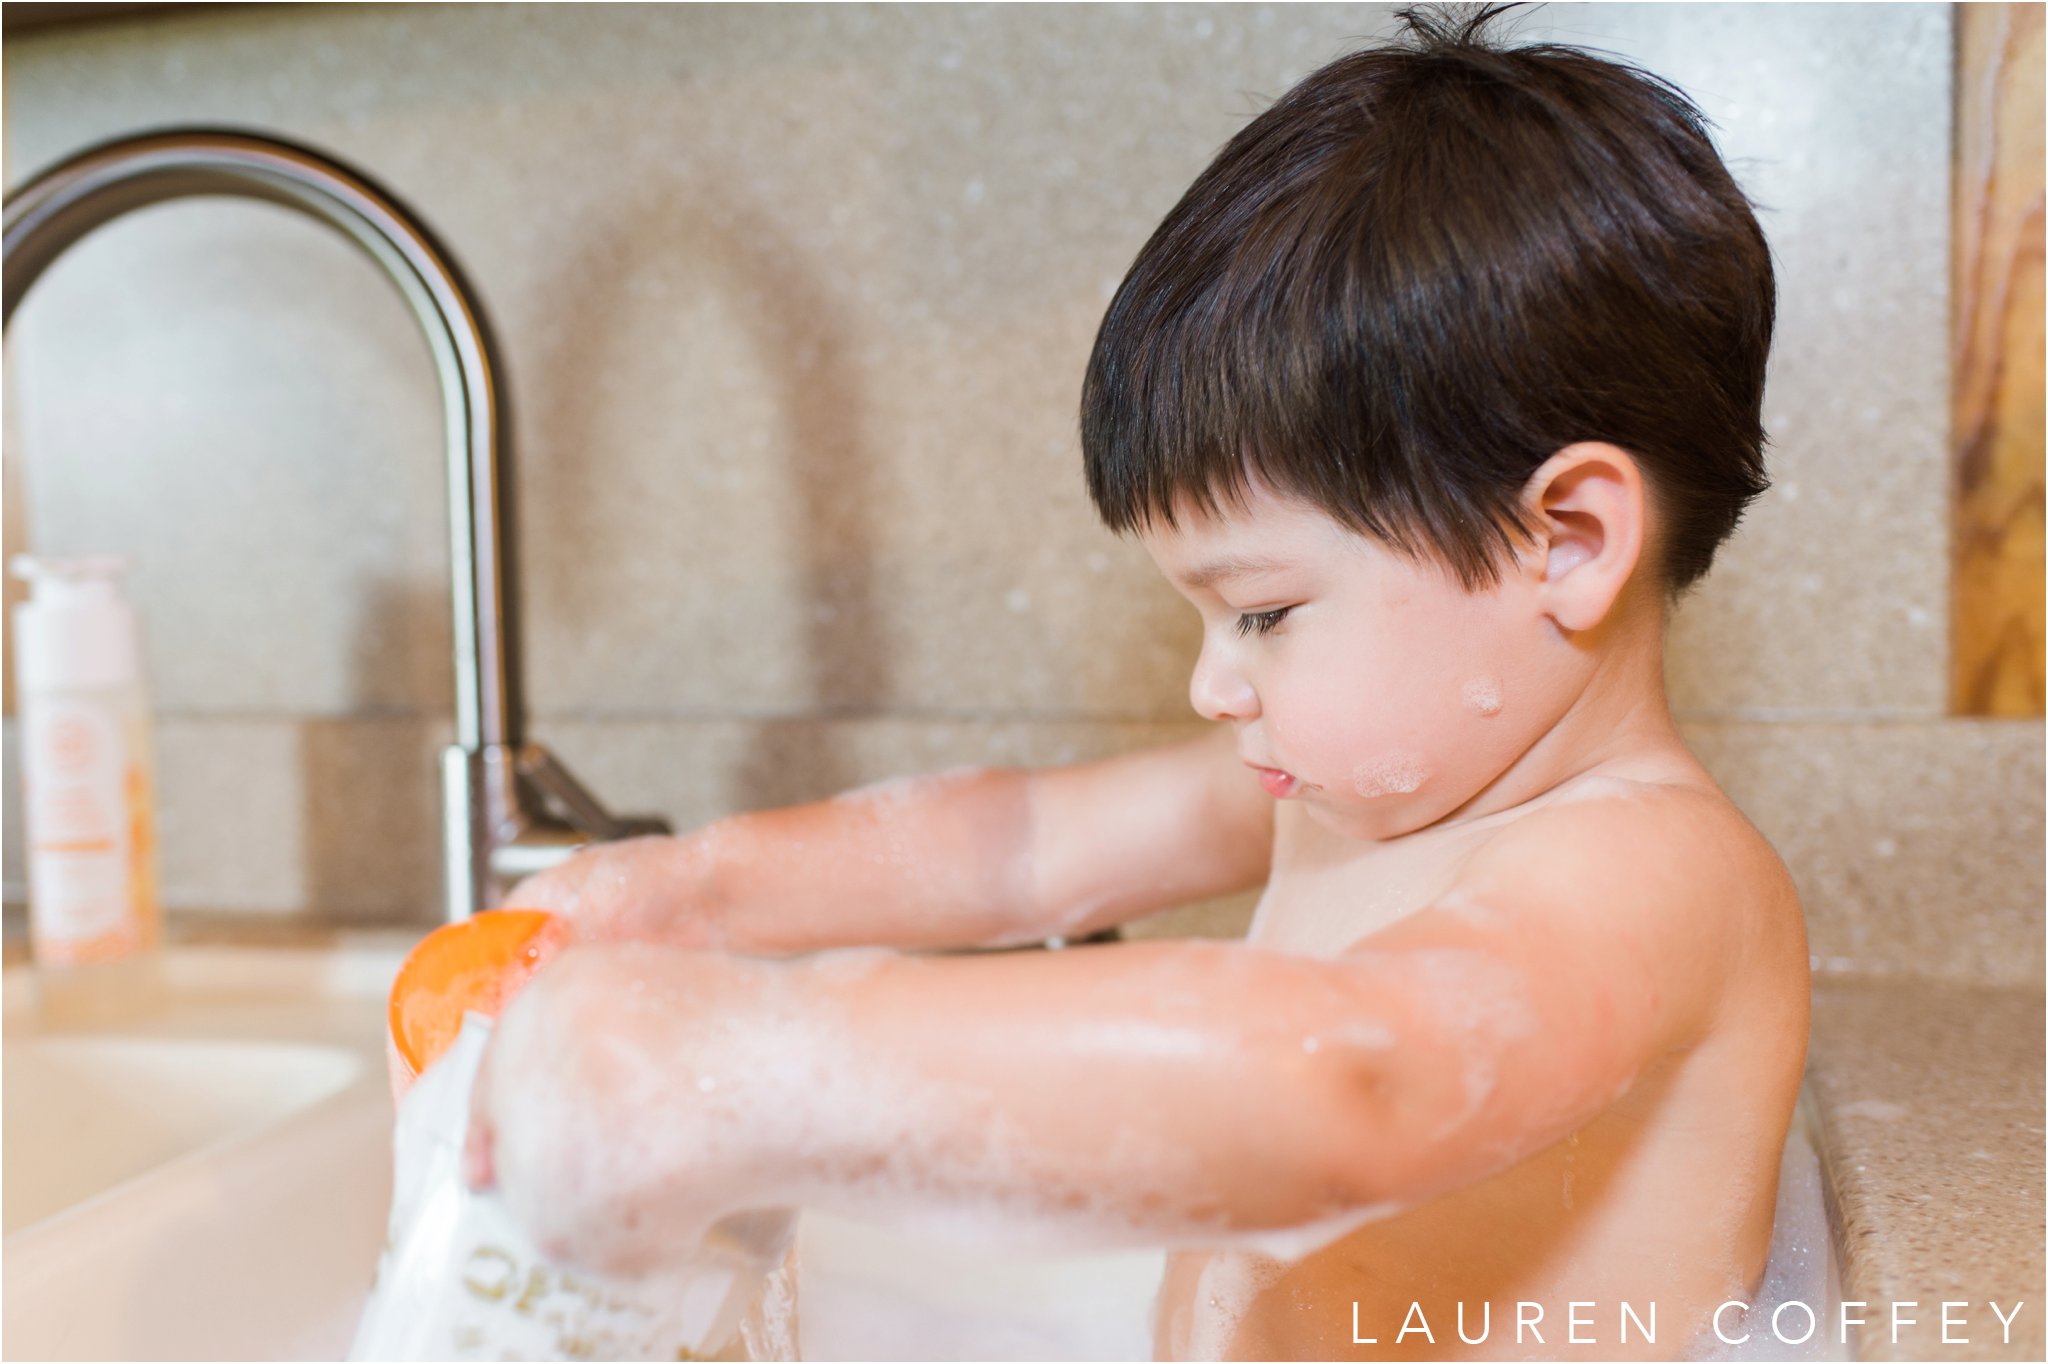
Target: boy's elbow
<point>1374,1124</point>
<point>1402,1123</point>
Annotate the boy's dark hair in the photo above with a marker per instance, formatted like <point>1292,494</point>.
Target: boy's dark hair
<point>1422,272</point>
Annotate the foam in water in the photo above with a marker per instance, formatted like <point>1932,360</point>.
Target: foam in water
<point>461,1279</point>
<point>1801,1269</point>
<point>1230,1283</point>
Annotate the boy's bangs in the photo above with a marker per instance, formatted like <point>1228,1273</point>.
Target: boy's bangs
<point>1187,403</point>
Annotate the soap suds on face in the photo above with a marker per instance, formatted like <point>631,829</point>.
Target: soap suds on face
<point>1395,774</point>
<point>1482,696</point>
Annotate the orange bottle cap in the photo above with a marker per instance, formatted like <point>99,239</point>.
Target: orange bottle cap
<point>476,964</point>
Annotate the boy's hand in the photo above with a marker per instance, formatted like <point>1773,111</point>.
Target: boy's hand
<point>598,1113</point>
<point>652,888</point>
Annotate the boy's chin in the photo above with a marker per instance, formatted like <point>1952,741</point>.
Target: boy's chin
<point>1368,821</point>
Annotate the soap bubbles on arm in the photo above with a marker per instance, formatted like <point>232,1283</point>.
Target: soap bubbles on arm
<point>656,887</point>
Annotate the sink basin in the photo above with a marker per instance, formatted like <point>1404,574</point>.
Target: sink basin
<point>83,1114</point>
<point>256,1248</point>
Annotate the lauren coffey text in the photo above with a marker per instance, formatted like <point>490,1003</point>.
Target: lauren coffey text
<point>1791,1322</point>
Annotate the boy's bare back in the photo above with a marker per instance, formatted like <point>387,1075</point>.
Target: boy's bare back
<point>1663,1202</point>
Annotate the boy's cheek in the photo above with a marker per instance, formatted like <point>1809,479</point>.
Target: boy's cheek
<point>1390,763</point>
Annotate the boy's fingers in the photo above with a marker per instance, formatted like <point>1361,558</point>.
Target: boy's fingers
<point>540,892</point>
<point>478,1170</point>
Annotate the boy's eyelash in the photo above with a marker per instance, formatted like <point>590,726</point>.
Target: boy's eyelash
<point>1260,621</point>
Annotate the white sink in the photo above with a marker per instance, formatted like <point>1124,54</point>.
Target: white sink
<point>83,1114</point>
<point>259,1248</point>
<point>181,1186</point>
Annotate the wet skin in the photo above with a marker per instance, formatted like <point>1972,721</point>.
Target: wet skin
<point>1522,1016</point>
<point>1666,1197</point>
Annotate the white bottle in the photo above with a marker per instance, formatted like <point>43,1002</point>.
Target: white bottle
<point>87,779</point>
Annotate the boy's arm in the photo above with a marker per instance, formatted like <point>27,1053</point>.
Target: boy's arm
<point>1135,1094</point>
<point>974,857</point>
<point>1116,840</point>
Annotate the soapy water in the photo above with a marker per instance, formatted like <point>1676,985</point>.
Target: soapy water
<point>460,1278</point>
<point>1801,1269</point>
<point>877,1293</point>
<point>883,1295</point>
<point>1228,1287</point>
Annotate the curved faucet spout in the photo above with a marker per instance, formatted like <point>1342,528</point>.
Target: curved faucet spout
<point>495,825</point>
<point>104,182</point>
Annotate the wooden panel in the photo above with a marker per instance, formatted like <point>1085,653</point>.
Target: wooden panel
<point>1999,361</point>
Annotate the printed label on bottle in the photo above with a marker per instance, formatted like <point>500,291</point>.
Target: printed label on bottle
<point>80,858</point>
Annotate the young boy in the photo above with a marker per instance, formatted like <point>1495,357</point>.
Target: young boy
<point>1435,390</point>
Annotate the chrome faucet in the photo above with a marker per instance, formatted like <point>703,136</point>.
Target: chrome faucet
<point>509,808</point>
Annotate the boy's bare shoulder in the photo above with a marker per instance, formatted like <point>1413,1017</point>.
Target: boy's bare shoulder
<point>1666,860</point>
<point>1676,819</point>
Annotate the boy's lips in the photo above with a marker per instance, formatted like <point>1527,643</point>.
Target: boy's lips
<point>1278,784</point>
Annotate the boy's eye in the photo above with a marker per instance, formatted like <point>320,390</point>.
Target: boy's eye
<point>1261,621</point>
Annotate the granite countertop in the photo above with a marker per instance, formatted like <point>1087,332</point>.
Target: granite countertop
<point>1928,1096</point>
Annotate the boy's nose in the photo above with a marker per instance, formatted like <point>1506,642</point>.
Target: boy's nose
<point>1220,692</point>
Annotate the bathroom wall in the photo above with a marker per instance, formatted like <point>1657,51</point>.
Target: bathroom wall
<point>796,302</point>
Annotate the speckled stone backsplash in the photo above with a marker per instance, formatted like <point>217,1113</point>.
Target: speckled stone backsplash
<point>795,303</point>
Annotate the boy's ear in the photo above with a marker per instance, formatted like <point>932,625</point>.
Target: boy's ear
<point>1589,505</point>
